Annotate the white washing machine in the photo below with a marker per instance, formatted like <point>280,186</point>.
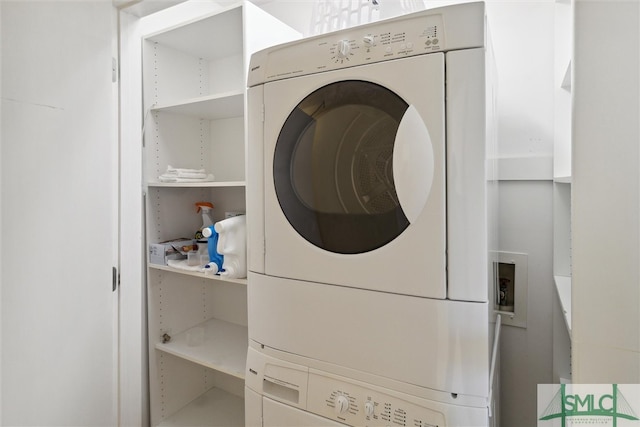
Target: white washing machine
<point>368,188</point>
<point>281,393</point>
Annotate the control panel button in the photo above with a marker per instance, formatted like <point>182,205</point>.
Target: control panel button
<point>342,404</point>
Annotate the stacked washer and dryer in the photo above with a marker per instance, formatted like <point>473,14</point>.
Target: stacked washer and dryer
<point>370,193</point>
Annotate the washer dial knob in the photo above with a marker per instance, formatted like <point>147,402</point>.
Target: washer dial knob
<point>368,409</point>
<point>344,47</point>
<point>369,40</point>
<point>342,404</point>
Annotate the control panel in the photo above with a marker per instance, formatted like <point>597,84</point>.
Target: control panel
<point>358,46</point>
<point>304,390</point>
<point>357,405</point>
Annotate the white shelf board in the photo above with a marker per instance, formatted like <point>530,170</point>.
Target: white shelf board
<point>215,408</point>
<point>562,179</point>
<point>212,107</point>
<point>214,36</point>
<point>198,274</point>
<point>205,184</point>
<point>563,287</point>
<point>224,347</point>
<point>141,8</point>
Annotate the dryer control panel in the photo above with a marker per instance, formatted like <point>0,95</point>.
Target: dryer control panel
<point>441,29</point>
<point>384,42</point>
<point>362,45</point>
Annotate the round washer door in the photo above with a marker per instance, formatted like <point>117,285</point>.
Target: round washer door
<point>334,167</point>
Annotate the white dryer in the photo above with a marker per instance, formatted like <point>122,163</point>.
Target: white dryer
<point>367,158</point>
<point>367,193</point>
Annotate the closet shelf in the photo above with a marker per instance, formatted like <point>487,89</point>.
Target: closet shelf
<point>212,107</point>
<point>198,36</point>
<point>215,408</point>
<point>223,348</point>
<point>198,274</point>
<point>562,179</point>
<point>206,184</point>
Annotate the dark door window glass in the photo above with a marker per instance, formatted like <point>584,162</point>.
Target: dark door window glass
<point>333,167</point>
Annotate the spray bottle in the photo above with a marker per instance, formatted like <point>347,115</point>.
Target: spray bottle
<point>205,208</point>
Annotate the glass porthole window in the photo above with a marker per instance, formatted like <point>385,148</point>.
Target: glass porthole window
<point>333,167</point>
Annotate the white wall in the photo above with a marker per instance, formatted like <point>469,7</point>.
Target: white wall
<point>295,13</point>
<point>606,193</point>
<point>58,214</point>
<point>134,397</point>
<point>1,209</point>
<point>523,41</point>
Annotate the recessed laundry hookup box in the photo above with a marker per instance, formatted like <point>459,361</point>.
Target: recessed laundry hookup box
<point>160,253</point>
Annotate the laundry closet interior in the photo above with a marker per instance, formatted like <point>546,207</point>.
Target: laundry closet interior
<point>181,158</point>
<point>202,143</point>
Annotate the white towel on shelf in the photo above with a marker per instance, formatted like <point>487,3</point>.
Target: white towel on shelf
<point>178,171</point>
<point>170,178</point>
<point>185,175</point>
<point>191,175</point>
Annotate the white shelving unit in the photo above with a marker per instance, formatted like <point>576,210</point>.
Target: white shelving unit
<point>562,191</point>
<point>213,408</point>
<point>223,346</point>
<point>213,107</point>
<point>197,274</point>
<point>194,90</point>
<point>211,184</point>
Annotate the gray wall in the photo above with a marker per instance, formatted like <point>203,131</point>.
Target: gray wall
<point>525,226</point>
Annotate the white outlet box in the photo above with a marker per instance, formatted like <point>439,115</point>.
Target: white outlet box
<point>514,268</point>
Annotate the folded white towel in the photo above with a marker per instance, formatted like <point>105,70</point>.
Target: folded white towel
<point>185,175</point>
<point>178,171</point>
<point>173,178</point>
<point>192,175</point>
